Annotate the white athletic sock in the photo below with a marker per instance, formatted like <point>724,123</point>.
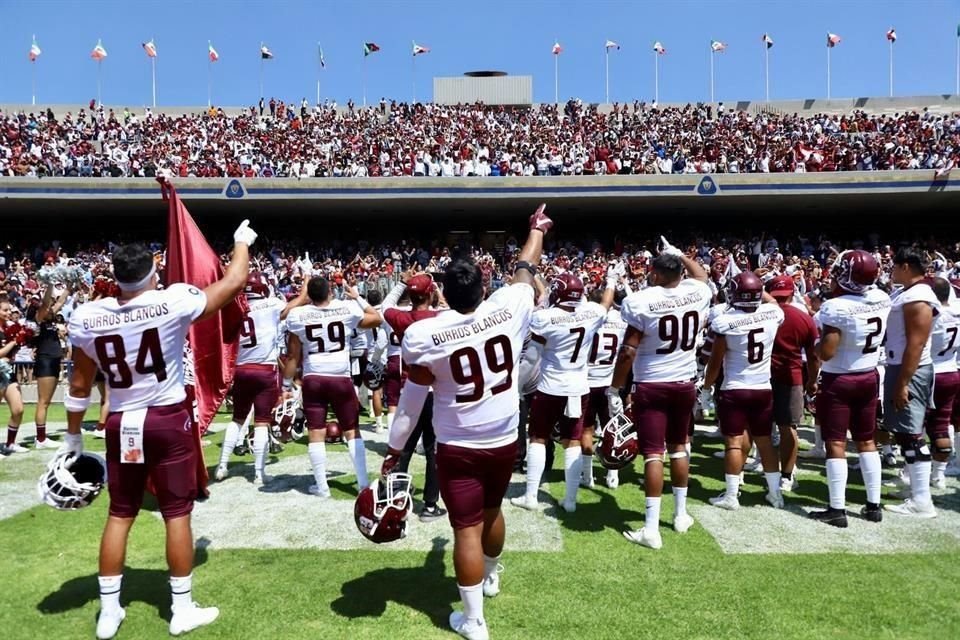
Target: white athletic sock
<point>260,439</point>
<point>318,459</point>
<point>733,484</point>
<point>920,481</point>
<point>773,481</point>
<point>230,437</point>
<point>379,420</point>
<point>679,501</point>
<point>837,482</point>
<point>939,469</point>
<point>389,420</point>
<point>817,437</point>
<point>181,589</point>
<point>571,472</point>
<point>586,466</point>
<point>472,598</point>
<point>871,471</point>
<point>110,593</point>
<point>358,453</point>
<point>651,520</point>
<point>490,565</point>
<point>536,463</point>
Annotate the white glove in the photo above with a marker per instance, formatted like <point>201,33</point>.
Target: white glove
<point>668,248</point>
<point>244,234</point>
<point>614,401</point>
<point>73,443</point>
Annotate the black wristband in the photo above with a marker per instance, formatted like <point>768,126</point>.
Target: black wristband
<point>527,266</point>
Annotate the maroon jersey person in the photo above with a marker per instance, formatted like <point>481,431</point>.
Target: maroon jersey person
<point>137,340</point>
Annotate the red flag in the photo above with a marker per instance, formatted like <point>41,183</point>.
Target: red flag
<point>214,341</point>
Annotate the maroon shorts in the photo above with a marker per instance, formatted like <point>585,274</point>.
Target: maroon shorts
<point>170,462</point>
<point>255,385</point>
<point>662,413</point>
<point>740,410</point>
<point>547,411</point>
<point>848,402</point>
<point>337,393</point>
<point>472,480</point>
<point>597,413</point>
<point>946,388</point>
<point>392,382</point>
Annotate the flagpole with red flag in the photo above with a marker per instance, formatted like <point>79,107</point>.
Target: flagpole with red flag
<point>214,341</point>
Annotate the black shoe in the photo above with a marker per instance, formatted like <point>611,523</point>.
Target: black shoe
<point>431,513</point>
<point>872,512</point>
<point>831,516</point>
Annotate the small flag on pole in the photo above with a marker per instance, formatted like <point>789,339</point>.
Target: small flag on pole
<point>149,48</point>
<point>98,53</point>
<point>832,40</point>
<point>659,48</point>
<point>211,52</point>
<point>370,47</point>
<point>556,49</point>
<point>610,44</point>
<point>323,62</point>
<point>892,35</point>
<point>265,53</point>
<point>767,40</point>
<point>34,50</point>
<point>717,46</point>
<point>419,49</point>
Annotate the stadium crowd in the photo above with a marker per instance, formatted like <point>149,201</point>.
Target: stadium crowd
<point>399,139</point>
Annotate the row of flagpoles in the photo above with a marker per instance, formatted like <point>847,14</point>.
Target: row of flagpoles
<point>99,53</point>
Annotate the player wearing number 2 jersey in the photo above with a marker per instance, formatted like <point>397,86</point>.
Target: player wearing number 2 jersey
<point>469,355</point>
<point>137,340</point>
<point>663,324</point>
<point>319,337</point>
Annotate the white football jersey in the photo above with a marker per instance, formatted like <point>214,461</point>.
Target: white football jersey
<point>565,339</point>
<point>474,360</point>
<point>324,334</point>
<point>138,344</point>
<point>360,341</point>
<point>393,340</point>
<point>670,321</point>
<point>260,332</point>
<point>896,331</point>
<point>604,349</point>
<point>862,321</point>
<point>749,337</point>
<point>943,343</point>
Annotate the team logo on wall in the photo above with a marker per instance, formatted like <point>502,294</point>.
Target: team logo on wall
<point>234,189</point>
<point>707,186</point>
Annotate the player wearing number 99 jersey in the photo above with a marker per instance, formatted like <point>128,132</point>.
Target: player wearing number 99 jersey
<point>319,337</point>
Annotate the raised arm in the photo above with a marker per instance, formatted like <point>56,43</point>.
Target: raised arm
<point>532,250</point>
<point>220,293</point>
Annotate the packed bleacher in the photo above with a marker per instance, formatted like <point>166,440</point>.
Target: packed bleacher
<point>279,139</point>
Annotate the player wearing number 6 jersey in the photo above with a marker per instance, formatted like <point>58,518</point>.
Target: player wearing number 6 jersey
<point>137,340</point>
<point>319,337</point>
<point>663,324</point>
<point>469,355</point>
<point>854,320</point>
<point>743,338</point>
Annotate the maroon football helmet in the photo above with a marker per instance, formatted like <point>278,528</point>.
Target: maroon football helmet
<point>334,435</point>
<point>381,509</point>
<point>566,290</point>
<point>855,271</point>
<point>745,291</point>
<point>256,285</point>
<point>618,443</point>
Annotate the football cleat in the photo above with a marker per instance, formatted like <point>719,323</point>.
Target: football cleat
<point>831,516</point>
<point>872,512</point>
<point>586,479</point>
<point>491,583</point>
<point>16,448</point>
<point>644,538</point>
<point>261,478</point>
<point>186,619</point>
<point>723,501</point>
<point>775,500</point>
<point>109,623</point>
<point>99,433</point>
<point>753,464</point>
<point>46,443</point>
<point>889,459</point>
<point>682,522</point>
<point>789,483</point>
<point>914,509</point>
<point>613,479</point>
<point>939,482</point>
<point>429,514</point>
<point>315,490</point>
<point>530,504</point>
<point>471,629</point>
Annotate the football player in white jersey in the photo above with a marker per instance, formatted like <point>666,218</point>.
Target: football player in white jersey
<point>137,340</point>
<point>319,337</point>
<point>393,373</point>
<point>946,386</point>
<point>603,356</point>
<point>663,325</point>
<point>564,333</point>
<point>743,338</point>
<point>853,322</point>
<point>470,356</point>
<point>256,385</point>
<point>908,383</point>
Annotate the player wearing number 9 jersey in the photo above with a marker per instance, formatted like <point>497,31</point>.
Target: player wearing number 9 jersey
<point>137,340</point>
<point>318,335</point>
<point>469,355</point>
<point>663,324</point>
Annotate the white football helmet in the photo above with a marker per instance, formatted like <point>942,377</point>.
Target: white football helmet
<point>72,480</point>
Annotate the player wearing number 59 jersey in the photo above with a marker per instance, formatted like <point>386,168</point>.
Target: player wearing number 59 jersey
<point>664,322</point>
<point>319,337</point>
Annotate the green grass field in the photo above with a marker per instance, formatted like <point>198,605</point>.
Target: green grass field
<point>599,586</point>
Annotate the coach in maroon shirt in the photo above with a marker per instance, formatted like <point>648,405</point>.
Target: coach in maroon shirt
<point>797,335</point>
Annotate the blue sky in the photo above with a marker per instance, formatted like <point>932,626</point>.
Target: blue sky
<point>513,36</point>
